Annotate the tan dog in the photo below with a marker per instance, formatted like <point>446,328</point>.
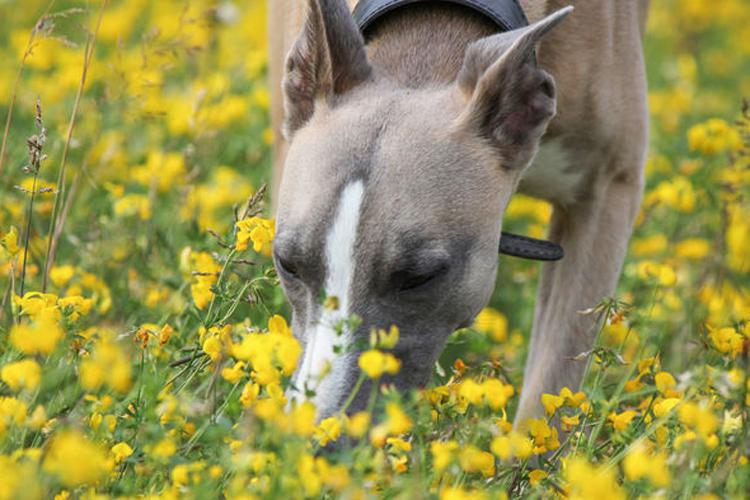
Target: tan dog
<point>403,153</point>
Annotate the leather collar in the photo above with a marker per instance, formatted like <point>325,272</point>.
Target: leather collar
<point>508,15</point>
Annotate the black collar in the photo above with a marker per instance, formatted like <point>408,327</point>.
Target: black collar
<point>508,15</point>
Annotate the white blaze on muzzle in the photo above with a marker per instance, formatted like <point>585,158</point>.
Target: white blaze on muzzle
<point>322,369</point>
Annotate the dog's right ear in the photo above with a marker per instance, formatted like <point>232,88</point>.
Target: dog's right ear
<point>510,100</point>
<point>327,59</point>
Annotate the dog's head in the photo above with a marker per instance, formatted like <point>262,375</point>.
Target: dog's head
<point>392,198</point>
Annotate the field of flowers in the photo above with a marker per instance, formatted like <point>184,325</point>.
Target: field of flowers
<point>143,345</point>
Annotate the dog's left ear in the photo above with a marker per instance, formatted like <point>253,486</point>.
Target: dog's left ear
<point>328,59</point>
<point>510,100</point>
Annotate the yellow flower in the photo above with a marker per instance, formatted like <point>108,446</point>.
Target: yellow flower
<point>61,275</point>
<point>302,419</point>
<point>545,438</point>
<point>664,406</point>
<point>693,249</point>
<point>121,451</point>
<point>497,393</point>
<point>651,245</point>
<point>384,340</point>
<point>75,460</point>
<point>258,230</point>
<point>164,449</point>
<point>622,420</point>
<point>399,444</point>
<point>699,418</point>
<point>249,394</point>
<point>234,374</point>
<point>639,463</point>
<point>551,403</point>
<point>397,421</point>
<point>358,424</point>
<point>12,411</point>
<point>212,347</point>
<point>472,459</point>
<point>24,374</point>
<point>677,194</point>
<point>471,391</point>
<point>726,340</point>
<point>714,136</point>
<point>131,205</point>
<point>271,355</point>
<point>493,323</point>
<point>328,430</point>
<point>39,337</point>
<point>107,365</point>
<point>536,476</point>
<point>664,275</point>
<point>375,363</point>
<point>588,482</point>
<point>665,383</point>
<point>443,454</point>
<point>9,241</point>
<point>458,493</point>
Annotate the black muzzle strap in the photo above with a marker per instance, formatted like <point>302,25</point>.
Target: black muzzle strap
<point>530,248</point>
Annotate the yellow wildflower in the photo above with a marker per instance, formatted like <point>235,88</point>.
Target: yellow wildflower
<point>588,482</point>
<point>714,136</point>
<point>234,374</point>
<point>443,454</point>
<point>472,459</point>
<point>693,249</point>
<point>258,230</point>
<point>121,451</point>
<point>24,374</point>
<point>665,383</point>
<point>536,476</point>
<point>357,424</point>
<point>493,323</point>
<point>639,463</point>
<point>664,406</point>
<point>726,340</point>
<point>458,493</point>
<point>9,241</point>
<point>75,460</point>
<point>620,421</point>
<point>328,430</point>
<point>61,275</point>
<point>39,337</point>
<point>375,363</point>
<point>551,403</point>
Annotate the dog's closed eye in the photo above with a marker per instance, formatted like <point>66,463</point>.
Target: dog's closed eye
<point>411,279</point>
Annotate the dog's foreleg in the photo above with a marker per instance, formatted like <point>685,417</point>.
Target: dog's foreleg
<point>595,236</point>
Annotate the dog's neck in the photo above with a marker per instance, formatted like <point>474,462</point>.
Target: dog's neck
<point>424,45</point>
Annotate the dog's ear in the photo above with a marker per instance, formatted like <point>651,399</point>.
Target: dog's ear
<point>510,100</point>
<point>327,59</point>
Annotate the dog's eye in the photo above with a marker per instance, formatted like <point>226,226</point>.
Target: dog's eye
<point>410,280</point>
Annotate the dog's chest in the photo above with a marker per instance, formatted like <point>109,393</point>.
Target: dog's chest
<point>552,175</point>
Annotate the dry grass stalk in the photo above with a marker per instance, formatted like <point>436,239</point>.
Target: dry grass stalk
<point>35,143</point>
<point>44,27</point>
<point>54,233</point>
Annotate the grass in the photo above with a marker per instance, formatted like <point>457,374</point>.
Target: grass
<point>133,158</point>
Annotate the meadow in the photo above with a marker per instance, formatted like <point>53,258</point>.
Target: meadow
<point>144,344</point>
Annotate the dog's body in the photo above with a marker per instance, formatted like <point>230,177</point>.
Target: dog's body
<point>424,95</point>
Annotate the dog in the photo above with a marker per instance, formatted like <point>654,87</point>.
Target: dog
<point>400,154</point>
